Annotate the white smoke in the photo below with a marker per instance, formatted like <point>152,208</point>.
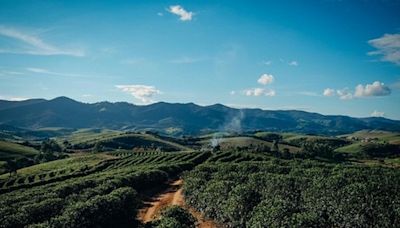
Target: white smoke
<point>233,126</point>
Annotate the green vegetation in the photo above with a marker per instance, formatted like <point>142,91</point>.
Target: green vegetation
<point>296,193</point>
<point>10,150</point>
<point>11,153</point>
<point>251,180</point>
<point>174,216</point>
<point>107,190</point>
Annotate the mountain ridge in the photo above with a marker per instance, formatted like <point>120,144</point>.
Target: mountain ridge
<point>188,118</point>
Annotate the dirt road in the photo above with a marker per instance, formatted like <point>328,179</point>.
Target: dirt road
<point>171,196</point>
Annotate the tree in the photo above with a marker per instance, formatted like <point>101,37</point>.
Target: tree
<point>50,146</point>
<point>286,154</point>
<point>98,147</point>
<point>11,167</point>
<point>275,146</point>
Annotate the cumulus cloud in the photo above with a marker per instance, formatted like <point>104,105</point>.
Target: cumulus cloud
<point>375,89</point>
<point>181,12</point>
<point>259,92</point>
<point>34,45</point>
<point>144,93</point>
<point>376,113</point>
<point>293,63</point>
<point>328,92</point>
<point>388,47</point>
<point>344,94</point>
<point>266,79</point>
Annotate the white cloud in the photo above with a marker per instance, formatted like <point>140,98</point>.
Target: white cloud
<point>185,60</point>
<point>344,94</point>
<point>308,93</point>
<point>376,113</point>
<point>388,46</point>
<point>375,89</point>
<point>266,79</point>
<point>144,93</point>
<point>293,63</point>
<point>134,61</point>
<point>45,71</point>
<point>34,45</point>
<point>369,90</point>
<point>181,12</point>
<point>13,98</point>
<point>232,92</point>
<point>269,62</point>
<point>328,92</point>
<point>259,92</point>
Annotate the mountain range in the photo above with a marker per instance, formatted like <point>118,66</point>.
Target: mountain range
<point>175,118</point>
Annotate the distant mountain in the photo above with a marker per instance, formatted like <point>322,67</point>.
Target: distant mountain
<point>177,118</point>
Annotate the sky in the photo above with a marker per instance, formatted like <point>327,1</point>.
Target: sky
<point>327,56</point>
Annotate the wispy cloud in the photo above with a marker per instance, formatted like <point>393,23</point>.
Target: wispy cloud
<point>268,62</point>
<point>133,61</point>
<point>181,12</point>
<point>309,93</point>
<point>13,98</point>
<point>293,63</point>
<point>10,73</point>
<point>185,60</point>
<point>266,79</point>
<point>33,44</point>
<point>144,93</point>
<point>259,92</point>
<point>45,71</point>
<point>388,47</point>
<point>344,94</point>
<point>376,113</point>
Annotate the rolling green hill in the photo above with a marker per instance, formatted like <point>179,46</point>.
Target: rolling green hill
<point>10,150</point>
<point>246,142</point>
<point>110,139</point>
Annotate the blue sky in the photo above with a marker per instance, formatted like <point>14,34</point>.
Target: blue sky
<point>331,57</point>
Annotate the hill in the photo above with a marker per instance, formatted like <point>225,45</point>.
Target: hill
<point>177,119</point>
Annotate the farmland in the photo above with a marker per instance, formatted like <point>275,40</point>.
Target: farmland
<point>247,180</point>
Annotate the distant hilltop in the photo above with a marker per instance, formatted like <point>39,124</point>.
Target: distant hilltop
<point>174,118</point>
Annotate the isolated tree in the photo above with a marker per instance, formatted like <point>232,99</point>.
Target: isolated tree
<point>286,153</point>
<point>50,146</point>
<point>98,147</point>
<point>11,167</point>
<point>275,146</point>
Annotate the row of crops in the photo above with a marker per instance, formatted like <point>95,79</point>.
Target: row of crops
<point>101,198</point>
<point>135,159</point>
<point>294,193</point>
<point>235,156</point>
<point>36,179</point>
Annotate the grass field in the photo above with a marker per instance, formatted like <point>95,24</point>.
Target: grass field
<point>10,150</point>
<point>93,136</point>
<point>380,136</point>
<point>245,141</point>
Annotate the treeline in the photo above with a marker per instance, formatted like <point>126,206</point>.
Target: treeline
<point>295,193</point>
